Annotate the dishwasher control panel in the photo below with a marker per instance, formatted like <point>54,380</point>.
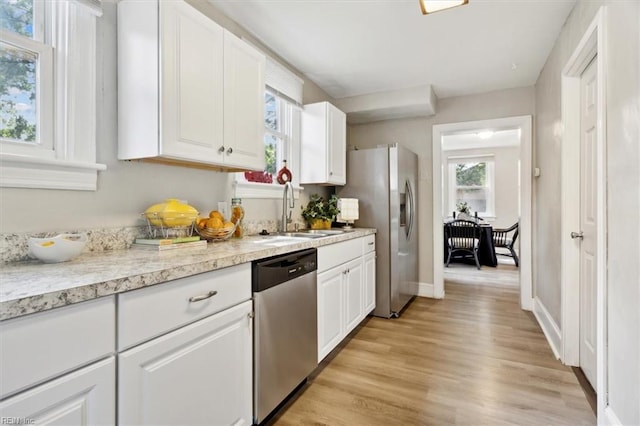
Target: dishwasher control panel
<point>278,269</point>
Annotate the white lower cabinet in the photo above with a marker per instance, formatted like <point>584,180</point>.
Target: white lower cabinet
<point>200,374</point>
<point>369,282</point>
<point>83,397</point>
<point>353,280</point>
<point>346,290</point>
<point>330,312</point>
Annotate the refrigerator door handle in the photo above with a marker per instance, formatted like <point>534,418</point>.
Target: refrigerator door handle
<point>410,209</point>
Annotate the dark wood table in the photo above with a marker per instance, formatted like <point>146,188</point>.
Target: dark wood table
<point>486,250</point>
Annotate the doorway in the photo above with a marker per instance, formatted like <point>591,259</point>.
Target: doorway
<point>522,125</point>
<point>585,301</point>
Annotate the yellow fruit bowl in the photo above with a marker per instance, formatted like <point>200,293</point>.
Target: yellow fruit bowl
<point>170,219</point>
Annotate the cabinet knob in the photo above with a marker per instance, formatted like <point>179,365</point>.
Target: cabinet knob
<point>221,149</point>
<point>229,151</point>
<point>330,173</point>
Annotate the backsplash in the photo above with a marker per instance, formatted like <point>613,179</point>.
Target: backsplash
<point>14,247</point>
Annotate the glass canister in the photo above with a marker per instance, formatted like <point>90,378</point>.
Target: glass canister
<point>237,214</point>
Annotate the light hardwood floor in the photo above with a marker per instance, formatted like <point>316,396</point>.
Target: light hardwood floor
<point>472,358</point>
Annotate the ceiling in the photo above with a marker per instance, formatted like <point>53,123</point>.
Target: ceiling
<point>359,47</point>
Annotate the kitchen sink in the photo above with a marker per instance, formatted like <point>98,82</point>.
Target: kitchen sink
<point>284,238</point>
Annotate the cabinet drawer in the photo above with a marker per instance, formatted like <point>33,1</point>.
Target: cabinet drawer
<point>368,244</point>
<point>41,346</point>
<point>150,312</point>
<point>336,254</point>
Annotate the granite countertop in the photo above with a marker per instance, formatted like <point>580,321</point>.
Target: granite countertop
<point>32,286</point>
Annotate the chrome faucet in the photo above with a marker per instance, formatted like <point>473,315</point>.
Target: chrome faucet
<point>286,218</point>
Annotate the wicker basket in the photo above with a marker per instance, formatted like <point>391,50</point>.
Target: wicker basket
<point>219,234</point>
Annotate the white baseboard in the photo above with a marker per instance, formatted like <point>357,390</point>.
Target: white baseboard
<point>425,290</point>
<point>609,418</point>
<point>549,327</point>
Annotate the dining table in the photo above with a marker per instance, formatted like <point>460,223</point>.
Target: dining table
<point>486,250</point>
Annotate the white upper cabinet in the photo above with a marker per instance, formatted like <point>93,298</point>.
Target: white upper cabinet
<point>324,145</point>
<point>244,74</point>
<point>189,91</point>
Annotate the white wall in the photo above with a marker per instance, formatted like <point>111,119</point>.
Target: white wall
<point>126,189</point>
<point>506,178</point>
<point>623,189</point>
<point>415,134</point>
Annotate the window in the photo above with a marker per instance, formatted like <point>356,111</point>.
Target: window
<point>47,94</point>
<point>281,138</point>
<point>471,180</point>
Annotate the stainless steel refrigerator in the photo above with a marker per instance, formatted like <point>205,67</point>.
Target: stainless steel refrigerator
<point>385,180</point>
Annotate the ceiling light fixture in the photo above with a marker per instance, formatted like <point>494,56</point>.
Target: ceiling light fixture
<point>430,6</point>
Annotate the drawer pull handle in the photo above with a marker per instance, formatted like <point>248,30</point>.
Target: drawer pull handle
<point>203,296</point>
<point>371,244</point>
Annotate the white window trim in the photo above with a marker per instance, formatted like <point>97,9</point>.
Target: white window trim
<point>72,163</point>
<point>246,189</point>
<point>490,185</point>
<point>285,85</point>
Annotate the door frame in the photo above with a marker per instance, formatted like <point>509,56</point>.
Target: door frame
<point>591,47</point>
<point>523,123</point>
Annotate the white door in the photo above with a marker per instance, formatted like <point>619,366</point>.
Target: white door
<point>369,283</point>
<point>337,145</point>
<point>354,302</point>
<point>83,397</point>
<point>588,203</point>
<point>200,374</point>
<point>244,71</point>
<point>192,84</point>
<point>330,315</point>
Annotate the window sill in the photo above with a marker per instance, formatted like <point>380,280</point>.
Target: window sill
<point>19,171</point>
<point>262,190</point>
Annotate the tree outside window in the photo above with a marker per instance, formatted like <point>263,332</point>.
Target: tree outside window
<point>18,71</point>
<point>471,182</point>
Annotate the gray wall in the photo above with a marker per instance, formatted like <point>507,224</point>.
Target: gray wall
<point>126,189</point>
<point>623,189</point>
<point>416,134</point>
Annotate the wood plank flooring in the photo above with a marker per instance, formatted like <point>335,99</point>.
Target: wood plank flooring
<point>473,358</point>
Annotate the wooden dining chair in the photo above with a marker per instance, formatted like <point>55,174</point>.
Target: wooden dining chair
<point>504,239</point>
<point>463,239</point>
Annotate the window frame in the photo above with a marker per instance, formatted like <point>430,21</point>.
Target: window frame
<point>65,155</point>
<point>489,186</point>
<point>287,89</point>
<point>44,97</point>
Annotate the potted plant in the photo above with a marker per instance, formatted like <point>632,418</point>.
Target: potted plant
<point>464,210</point>
<point>319,212</point>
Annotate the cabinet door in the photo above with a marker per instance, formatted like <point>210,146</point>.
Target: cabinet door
<point>244,69</point>
<point>337,145</point>
<point>330,312</point>
<point>353,294</point>
<point>200,374</point>
<point>83,397</point>
<point>191,84</point>
<point>369,283</point>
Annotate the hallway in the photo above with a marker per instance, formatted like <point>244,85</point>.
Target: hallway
<point>472,358</point>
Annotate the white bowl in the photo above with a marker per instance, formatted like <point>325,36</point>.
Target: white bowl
<point>60,248</point>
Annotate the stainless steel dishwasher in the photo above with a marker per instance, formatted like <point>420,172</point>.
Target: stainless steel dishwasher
<point>285,327</point>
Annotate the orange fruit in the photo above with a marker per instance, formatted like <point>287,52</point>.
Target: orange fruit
<point>215,214</point>
<point>214,223</point>
<point>228,225</point>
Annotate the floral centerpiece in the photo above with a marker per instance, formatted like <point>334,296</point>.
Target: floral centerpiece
<point>464,210</point>
<point>319,212</point>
